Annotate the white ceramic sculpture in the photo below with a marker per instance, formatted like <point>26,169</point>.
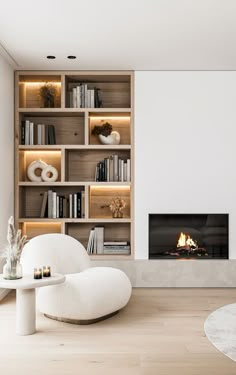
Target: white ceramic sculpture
<point>37,164</point>
<point>112,139</point>
<point>48,172</point>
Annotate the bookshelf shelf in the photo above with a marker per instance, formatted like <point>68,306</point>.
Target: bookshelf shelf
<point>76,153</point>
<point>68,220</point>
<point>74,147</point>
<point>73,183</point>
<point>74,110</point>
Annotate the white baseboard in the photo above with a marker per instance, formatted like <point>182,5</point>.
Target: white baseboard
<point>3,293</point>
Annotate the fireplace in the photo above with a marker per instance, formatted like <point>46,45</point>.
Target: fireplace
<point>188,236</point>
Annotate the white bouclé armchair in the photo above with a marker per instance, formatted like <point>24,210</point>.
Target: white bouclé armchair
<point>88,295</point>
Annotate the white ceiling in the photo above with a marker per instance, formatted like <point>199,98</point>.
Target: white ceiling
<point>123,34</point>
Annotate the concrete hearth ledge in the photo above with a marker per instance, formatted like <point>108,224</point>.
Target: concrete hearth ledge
<point>176,273</point>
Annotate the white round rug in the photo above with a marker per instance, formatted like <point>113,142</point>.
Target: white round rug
<point>220,329</point>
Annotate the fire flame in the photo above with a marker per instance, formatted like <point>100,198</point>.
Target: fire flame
<point>185,240</point>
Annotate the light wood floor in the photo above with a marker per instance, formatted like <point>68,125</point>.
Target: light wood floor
<point>159,333</point>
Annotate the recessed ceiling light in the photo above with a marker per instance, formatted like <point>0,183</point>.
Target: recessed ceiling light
<point>51,57</point>
<point>71,57</point>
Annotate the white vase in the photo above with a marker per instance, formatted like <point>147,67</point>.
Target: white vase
<point>112,139</point>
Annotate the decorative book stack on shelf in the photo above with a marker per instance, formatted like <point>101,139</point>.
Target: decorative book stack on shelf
<point>55,115</point>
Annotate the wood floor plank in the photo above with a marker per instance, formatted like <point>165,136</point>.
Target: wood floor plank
<point>160,332</point>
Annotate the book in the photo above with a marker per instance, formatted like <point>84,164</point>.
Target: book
<point>51,135</point>
<point>43,135</point>
<point>60,210</point>
<point>97,100</point>
<point>78,204</point>
<point>92,98</point>
<point>89,98</point>
<point>75,205</point>
<point>65,207</point>
<point>85,95</point>
<point>116,251</point>
<point>83,204</point>
<point>97,172</point>
<point>39,134</point>
<point>50,203</point>
<point>74,95</point>
<point>82,96</point>
<point>57,206</point>
<point>116,243</point>
<point>70,206</point>
<point>27,132</point>
<point>90,241</point>
<point>22,134</point>
<point>108,169</point>
<point>115,247</point>
<point>121,170</point>
<point>70,99</point>
<point>94,243</point>
<point>78,97</point>
<point>99,235</point>
<point>46,135</point>
<point>31,133</point>
<point>44,204</point>
<point>54,205</point>
<point>125,170</point>
<point>128,171</point>
<point>111,167</point>
<point>115,168</point>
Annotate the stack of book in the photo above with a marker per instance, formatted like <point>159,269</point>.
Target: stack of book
<point>113,169</point>
<point>96,244</point>
<point>59,206</point>
<point>40,134</point>
<point>83,97</point>
<point>116,247</point>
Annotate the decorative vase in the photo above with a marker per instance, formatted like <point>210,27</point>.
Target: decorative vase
<point>112,139</point>
<point>118,214</point>
<point>12,270</point>
<point>49,101</point>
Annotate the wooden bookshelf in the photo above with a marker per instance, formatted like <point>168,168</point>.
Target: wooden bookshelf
<point>76,153</point>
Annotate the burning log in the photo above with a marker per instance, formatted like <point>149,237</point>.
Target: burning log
<point>186,246</point>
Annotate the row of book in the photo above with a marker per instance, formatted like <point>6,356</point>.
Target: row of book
<point>83,97</point>
<point>59,206</point>
<point>113,169</point>
<point>97,245</point>
<point>40,134</point>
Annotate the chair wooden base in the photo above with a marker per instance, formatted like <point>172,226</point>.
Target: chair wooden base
<point>81,322</point>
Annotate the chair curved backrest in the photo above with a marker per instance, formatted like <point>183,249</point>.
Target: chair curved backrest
<point>63,253</point>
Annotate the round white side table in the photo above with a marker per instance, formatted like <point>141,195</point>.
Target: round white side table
<point>25,299</point>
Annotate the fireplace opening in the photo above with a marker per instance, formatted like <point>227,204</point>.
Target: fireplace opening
<point>188,236</point>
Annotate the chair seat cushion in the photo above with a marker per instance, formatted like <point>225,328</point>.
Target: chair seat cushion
<point>90,294</point>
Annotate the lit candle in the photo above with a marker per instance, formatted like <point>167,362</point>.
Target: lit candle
<point>38,273</point>
<point>46,271</point>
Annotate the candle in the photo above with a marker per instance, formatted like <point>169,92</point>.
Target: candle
<point>38,273</point>
<point>46,271</point>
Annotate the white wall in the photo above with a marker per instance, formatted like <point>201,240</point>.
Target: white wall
<point>185,147</point>
<point>6,146</point>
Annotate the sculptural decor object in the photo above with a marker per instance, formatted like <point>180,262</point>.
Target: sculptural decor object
<point>48,93</point>
<point>106,135</point>
<point>48,172</point>
<point>12,270</point>
<point>117,206</point>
